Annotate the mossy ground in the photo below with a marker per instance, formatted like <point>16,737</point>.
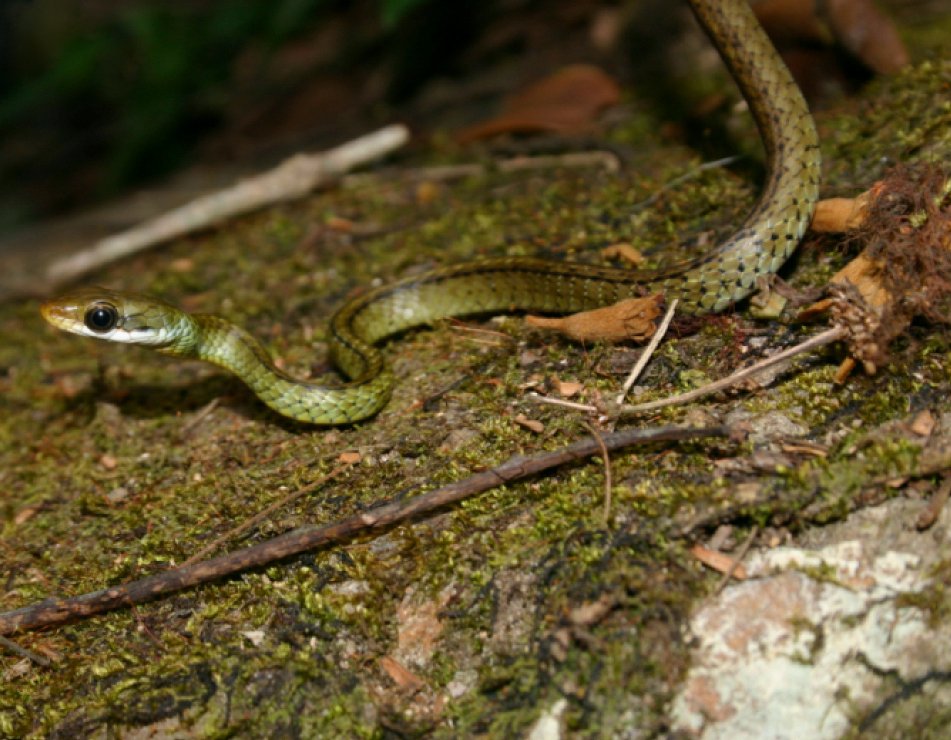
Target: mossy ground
<point>105,478</point>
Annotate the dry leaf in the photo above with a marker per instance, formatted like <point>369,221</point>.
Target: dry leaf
<point>340,224</point>
<point>836,215</point>
<point>402,676</point>
<point>623,251</point>
<point>25,514</point>
<point>349,458</point>
<point>567,102</point>
<point>718,561</point>
<point>592,612</point>
<point>182,264</point>
<point>630,319</point>
<point>568,388</point>
<point>856,25</point>
<point>866,275</point>
<point>862,29</point>
<point>530,424</point>
<point>923,424</point>
<point>426,192</point>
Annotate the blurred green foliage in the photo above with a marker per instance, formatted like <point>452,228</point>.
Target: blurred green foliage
<point>392,11</point>
<point>134,91</point>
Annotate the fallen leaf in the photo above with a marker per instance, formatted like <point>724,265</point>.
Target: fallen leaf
<point>923,424</point>
<point>835,215</point>
<point>568,388</point>
<point>868,34</point>
<point>623,251</point>
<point>856,25</point>
<point>591,612</point>
<point>349,458</point>
<point>630,319</point>
<point>402,676</point>
<point>719,561</point>
<point>340,224</point>
<point>566,102</point>
<point>530,424</point>
<point>426,192</point>
<point>25,514</point>
<point>182,264</point>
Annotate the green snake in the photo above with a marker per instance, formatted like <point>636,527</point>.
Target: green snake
<point>726,274</point>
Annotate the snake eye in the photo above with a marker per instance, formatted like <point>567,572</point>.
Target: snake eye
<point>101,318</point>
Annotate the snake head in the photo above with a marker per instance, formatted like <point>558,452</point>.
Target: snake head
<point>120,317</point>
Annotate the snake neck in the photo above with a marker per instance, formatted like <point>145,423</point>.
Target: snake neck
<point>226,345</point>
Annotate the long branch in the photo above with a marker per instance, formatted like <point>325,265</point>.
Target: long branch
<point>60,611</point>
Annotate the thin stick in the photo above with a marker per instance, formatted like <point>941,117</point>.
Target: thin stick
<point>198,418</point>
<point>539,398</point>
<point>648,351</point>
<point>683,178</point>
<point>23,652</point>
<point>59,611</point>
<point>819,340</point>
<point>293,178</point>
<point>264,514</point>
<point>744,548</point>
<point>608,484</point>
<point>443,173</point>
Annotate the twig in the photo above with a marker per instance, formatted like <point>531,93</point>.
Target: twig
<point>607,471</point>
<point>198,418</point>
<point>683,178</point>
<point>819,340</point>
<point>264,514</point>
<point>744,548</point>
<point>59,611</point>
<point>293,178</point>
<point>442,173</point>
<point>539,398</point>
<point>648,351</point>
<point>23,652</point>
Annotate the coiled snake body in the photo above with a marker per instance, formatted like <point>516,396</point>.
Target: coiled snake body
<point>726,274</point>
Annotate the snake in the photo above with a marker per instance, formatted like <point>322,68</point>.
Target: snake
<point>727,273</point>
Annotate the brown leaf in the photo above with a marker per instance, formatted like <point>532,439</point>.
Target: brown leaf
<point>532,425</point>
<point>567,102</point>
<point>630,319</point>
<point>717,560</point>
<point>402,676</point>
<point>835,215</point>
<point>789,21</point>
<point>856,25</point>
<point>923,424</point>
<point>568,388</point>
<point>862,29</point>
<point>623,251</point>
<point>866,275</point>
<point>25,514</point>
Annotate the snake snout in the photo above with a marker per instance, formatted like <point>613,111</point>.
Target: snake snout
<point>57,314</point>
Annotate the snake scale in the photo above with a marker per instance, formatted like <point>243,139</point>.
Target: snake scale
<point>724,275</point>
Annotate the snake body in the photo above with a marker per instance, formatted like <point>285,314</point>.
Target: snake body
<point>724,275</point>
